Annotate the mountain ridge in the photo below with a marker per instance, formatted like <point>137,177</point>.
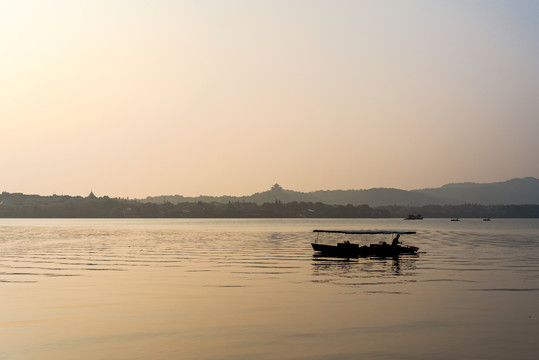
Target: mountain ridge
<point>511,192</point>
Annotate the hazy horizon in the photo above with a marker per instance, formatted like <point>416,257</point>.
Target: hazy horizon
<point>135,99</point>
<point>268,188</point>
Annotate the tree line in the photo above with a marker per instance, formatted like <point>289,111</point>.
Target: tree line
<point>105,207</point>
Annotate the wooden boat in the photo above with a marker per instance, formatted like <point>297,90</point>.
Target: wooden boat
<point>347,249</point>
<point>414,217</point>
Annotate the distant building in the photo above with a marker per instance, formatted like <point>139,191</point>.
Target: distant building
<point>91,196</point>
<point>276,187</point>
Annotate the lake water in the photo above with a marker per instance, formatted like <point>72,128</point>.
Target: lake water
<point>251,289</point>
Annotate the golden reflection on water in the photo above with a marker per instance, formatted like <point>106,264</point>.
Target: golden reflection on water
<point>252,291</point>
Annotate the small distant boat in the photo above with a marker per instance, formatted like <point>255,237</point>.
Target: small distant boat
<point>347,249</point>
<point>486,219</point>
<point>414,217</point>
<point>455,219</point>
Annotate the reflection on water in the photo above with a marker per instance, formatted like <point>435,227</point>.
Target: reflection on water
<point>252,289</point>
<point>369,274</point>
<point>364,266</point>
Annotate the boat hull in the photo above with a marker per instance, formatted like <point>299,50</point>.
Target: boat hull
<point>354,250</point>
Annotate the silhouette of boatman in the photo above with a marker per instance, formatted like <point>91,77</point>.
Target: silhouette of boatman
<point>396,240</point>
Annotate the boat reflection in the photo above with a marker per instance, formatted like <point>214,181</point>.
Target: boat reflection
<point>364,267</point>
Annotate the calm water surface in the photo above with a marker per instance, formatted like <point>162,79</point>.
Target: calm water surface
<point>251,289</point>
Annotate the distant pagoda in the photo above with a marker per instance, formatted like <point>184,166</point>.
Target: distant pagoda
<point>276,188</point>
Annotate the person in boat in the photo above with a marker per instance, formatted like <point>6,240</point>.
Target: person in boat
<point>396,240</point>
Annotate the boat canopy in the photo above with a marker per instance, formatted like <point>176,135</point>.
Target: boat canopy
<point>370,232</point>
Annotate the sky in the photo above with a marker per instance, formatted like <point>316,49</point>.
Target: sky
<point>227,97</point>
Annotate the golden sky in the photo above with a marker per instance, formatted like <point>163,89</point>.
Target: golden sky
<point>137,98</point>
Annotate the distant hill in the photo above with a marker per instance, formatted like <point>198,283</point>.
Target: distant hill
<point>511,192</point>
<point>515,191</point>
<point>517,198</point>
<point>375,197</point>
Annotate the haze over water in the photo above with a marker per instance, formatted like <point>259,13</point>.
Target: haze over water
<point>251,289</point>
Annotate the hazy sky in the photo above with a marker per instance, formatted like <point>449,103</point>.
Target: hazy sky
<point>136,98</point>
